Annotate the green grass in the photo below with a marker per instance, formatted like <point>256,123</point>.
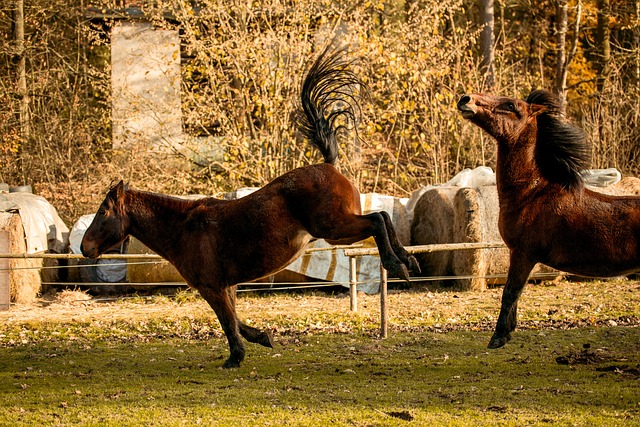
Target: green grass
<point>163,368</point>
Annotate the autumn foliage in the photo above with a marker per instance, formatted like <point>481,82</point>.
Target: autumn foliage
<point>241,69</point>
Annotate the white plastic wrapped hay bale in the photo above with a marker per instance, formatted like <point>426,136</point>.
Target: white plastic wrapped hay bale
<point>475,219</point>
<point>432,224</point>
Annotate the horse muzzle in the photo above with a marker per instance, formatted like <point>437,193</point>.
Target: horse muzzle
<point>466,106</point>
<point>89,251</point>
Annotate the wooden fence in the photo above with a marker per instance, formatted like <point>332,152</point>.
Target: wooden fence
<point>353,252</point>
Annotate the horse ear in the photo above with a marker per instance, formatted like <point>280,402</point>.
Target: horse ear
<point>537,109</point>
<point>120,189</point>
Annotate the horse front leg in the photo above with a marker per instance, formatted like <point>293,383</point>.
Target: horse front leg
<point>519,269</point>
<point>249,333</point>
<point>221,303</point>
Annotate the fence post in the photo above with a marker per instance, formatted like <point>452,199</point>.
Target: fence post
<point>384,303</point>
<point>353,284</point>
<point>5,273</point>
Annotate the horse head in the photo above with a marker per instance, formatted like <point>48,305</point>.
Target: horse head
<point>535,125</point>
<point>505,119</point>
<point>110,224</point>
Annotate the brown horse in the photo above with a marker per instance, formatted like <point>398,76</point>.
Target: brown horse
<point>546,214</point>
<point>215,244</point>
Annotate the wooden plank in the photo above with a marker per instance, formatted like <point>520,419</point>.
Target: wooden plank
<point>384,303</point>
<point>5,278</point>
<point>353,284</point>
<point>429,248</point>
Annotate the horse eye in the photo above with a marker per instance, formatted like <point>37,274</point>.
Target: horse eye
<point>511,106</point>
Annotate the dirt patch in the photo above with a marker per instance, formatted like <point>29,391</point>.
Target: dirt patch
<point>584,357</point>
<point>625,371</point>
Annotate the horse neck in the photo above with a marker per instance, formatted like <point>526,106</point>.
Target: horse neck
<point>517,174</point>
<point>155,220</point>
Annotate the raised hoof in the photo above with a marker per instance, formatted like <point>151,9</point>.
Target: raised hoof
<point>497,342</point>
<point>401,272</point>
<point>266,340</point>
<point>413,264</point>
<point>231,364</point>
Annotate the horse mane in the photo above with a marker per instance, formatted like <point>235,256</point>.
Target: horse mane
<point>562,151</point>
<point>165,200</point>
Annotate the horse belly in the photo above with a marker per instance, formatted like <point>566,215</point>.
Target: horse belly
<point>297,246</point>
<point>605,258</point>
<point>276,256</point>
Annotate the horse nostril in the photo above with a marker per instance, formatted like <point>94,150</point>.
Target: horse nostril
<point>464,100</point>
<point>87,252</point>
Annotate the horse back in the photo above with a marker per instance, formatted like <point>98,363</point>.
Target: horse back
<point>256,235</point>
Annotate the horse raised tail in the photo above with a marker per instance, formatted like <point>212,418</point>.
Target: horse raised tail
<point>328,102</point>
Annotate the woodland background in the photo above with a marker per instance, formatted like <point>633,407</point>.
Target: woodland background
<point>241,67</point>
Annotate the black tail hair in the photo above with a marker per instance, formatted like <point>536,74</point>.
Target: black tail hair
<point>330,90</point>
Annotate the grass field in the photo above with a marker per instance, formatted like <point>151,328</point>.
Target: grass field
<point>574,360</point>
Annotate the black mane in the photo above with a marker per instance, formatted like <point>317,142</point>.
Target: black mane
<point>562,151</point>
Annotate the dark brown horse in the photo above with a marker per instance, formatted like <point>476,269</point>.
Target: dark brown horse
<point>546,213</point>
<point>215,244</point>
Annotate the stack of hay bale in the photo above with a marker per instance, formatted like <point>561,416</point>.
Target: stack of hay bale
<point>29,225</point>
<point>452,214</point>
<point>465,210</point>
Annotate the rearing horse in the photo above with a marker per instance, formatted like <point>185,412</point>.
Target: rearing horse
<point>216,244</point>
<point>546,213</point>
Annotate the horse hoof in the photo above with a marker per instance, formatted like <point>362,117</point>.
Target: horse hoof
<point>231,364</point>
<point>266,340</point>
<point>401,272</point>
<point>413,264</point>
<point>497,342</point>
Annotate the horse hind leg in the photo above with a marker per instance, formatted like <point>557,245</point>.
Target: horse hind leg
<point>249,333</point>
<point>225,311</point>
<point>359,227</point>
<point>402,254</point>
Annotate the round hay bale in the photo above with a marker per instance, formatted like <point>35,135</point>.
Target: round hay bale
<point>433,223</point>
<point>24,276</point>
<point>475,219</point>
<point>401,222</point>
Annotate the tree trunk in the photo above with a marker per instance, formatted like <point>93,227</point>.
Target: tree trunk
<point>636,43</point>
<point>488,41</point>
<point>561,58</point>
<point>603,35</point>
<point>19,63</point>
